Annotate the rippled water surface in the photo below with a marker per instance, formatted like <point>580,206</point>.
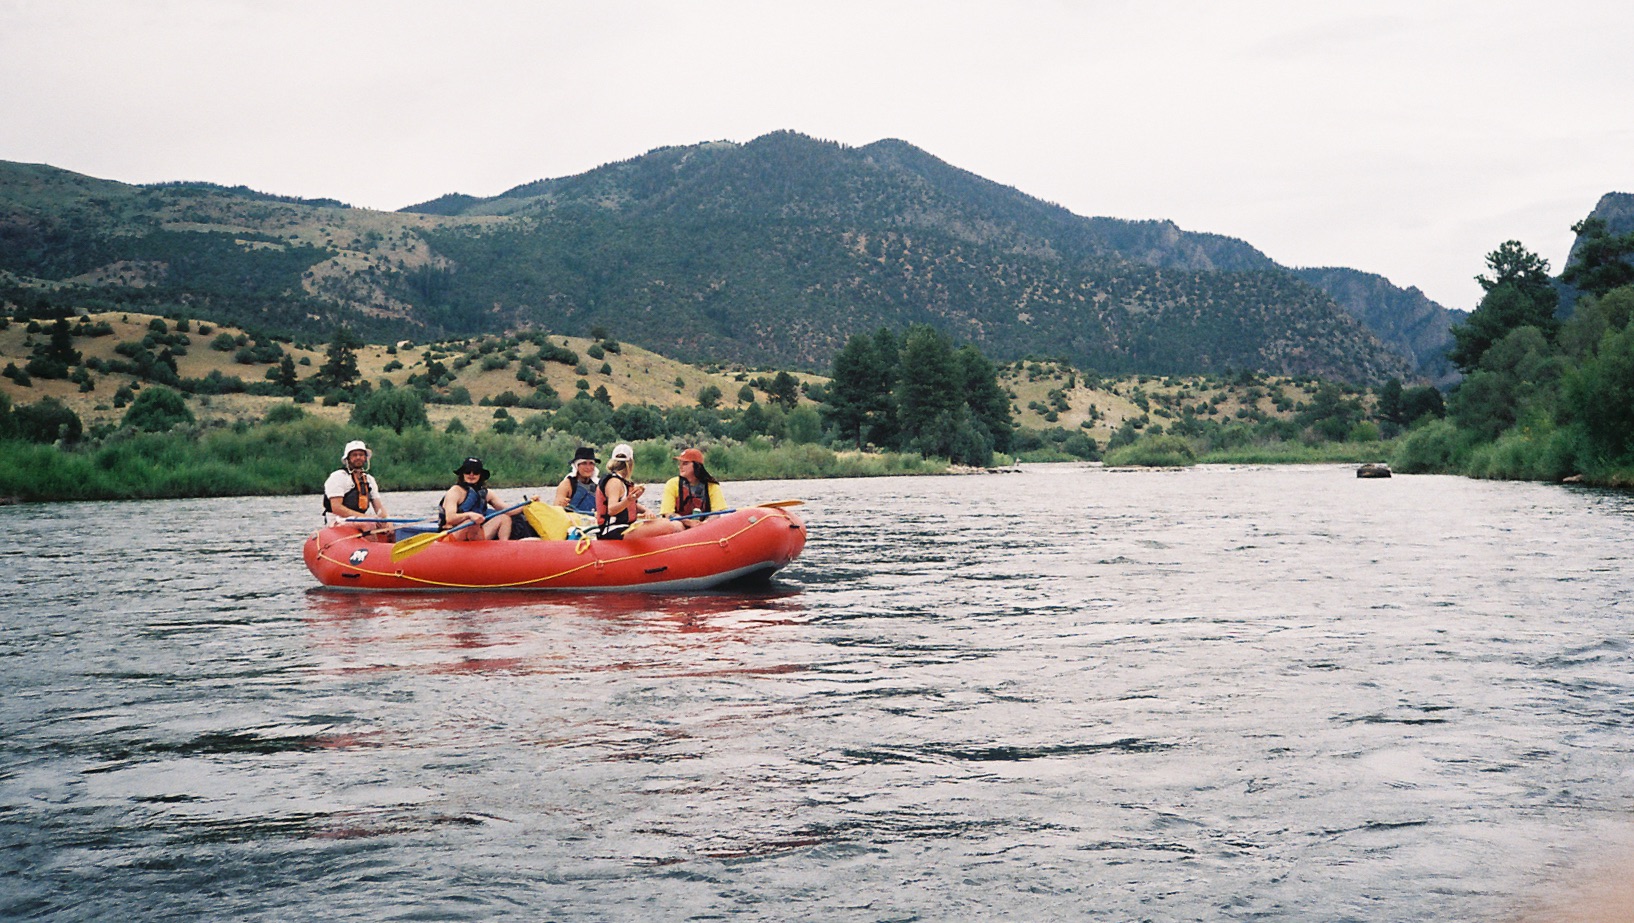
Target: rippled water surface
<point>1070,693</point>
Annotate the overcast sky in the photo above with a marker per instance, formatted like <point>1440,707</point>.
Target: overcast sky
<point>1403,138</point>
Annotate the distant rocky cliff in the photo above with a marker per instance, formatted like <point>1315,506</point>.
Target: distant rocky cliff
<point>1616,209</point>
<point>1403,318</point>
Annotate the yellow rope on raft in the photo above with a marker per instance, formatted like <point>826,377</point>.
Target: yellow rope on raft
<point>572,570</point>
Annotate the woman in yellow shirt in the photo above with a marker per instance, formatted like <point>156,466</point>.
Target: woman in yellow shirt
<point>693,490</point>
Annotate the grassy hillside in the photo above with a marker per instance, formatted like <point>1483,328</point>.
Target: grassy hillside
<point>637,375</point>
<point>1045,394</point>
<point>288,266</point>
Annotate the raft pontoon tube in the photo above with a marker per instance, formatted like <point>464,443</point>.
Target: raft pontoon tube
<point>749,544</point>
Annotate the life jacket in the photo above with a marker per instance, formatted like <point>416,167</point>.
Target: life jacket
<point>355,499</point>
<point>476,501</point>
<point>603,519</point>
<point>583,499</point>
<point>691,498</point>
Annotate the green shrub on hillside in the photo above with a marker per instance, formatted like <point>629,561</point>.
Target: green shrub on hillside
<point>396,409</point>
<point>157,409</point>
<point>45,421</point>
<point>284,413</point>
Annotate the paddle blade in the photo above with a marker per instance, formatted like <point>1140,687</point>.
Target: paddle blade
<point>413,545</point>
<point>550,522</point>
<point>780,504</point>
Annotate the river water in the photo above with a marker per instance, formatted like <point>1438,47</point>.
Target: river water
<point>1223,693</point>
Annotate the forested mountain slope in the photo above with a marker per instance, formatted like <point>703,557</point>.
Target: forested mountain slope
<point>781,248</point>
<point>774,251</point>
<point>1404,319</point>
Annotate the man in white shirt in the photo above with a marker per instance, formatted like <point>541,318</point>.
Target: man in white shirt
<point>351,490</point>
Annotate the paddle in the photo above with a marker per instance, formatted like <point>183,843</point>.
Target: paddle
<point>700,515</point>
<point>370,519</point>
<point>417,543</point>
<point>552,522</point>
<point>775,504</point>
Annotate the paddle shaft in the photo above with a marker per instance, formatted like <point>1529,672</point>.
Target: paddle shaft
<point>775,504</point>
<point>701,515</point>
<point>464,525</point>
<point>417,543</point>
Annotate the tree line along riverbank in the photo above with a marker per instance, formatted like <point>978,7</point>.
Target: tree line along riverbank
<point>128,405</point>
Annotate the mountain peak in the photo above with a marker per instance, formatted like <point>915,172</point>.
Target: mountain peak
<point>774,250</point>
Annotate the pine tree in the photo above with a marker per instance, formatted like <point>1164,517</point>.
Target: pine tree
<point>986,399</point>
<point>339,369</point>
<point>929,388</point>
<point>855,390</point>
<point>61,345</point>
<point>1519,294</point>
<point>785,390</point>
<point>286,374</point>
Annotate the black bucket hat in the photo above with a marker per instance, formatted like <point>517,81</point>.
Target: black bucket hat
<point>585,453</point>
<point>470,465</point>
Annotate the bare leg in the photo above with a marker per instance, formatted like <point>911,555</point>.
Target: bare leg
<point>498,527</point>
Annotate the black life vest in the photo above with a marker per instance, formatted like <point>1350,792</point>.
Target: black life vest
<point>603,519</point>
<point>355,499</point>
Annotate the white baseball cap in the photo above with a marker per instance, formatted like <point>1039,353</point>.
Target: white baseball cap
<point>623,450</point>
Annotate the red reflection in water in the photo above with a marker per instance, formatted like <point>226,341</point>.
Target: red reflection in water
<point>512,633</point>
<point>688,611</point>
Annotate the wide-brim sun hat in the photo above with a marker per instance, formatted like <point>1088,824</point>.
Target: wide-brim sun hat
<point>585,453</point>
<point>472,465</point>
<point>353,446</point>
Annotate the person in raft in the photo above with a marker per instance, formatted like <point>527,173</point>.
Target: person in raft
<point>618,497</point>
<point>694,490</point>
<point>469,501</point>
<point>577,491</point>
<point>351,490</point>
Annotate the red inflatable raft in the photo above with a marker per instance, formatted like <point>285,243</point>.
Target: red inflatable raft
<point>742,546</point>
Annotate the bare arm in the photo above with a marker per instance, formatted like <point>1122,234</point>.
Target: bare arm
<point>337,505</point>
<point>628,499</point>
<point>451,508</point>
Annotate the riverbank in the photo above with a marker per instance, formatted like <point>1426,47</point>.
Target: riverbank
<point>294,458</point>
<point>1404,454</point>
